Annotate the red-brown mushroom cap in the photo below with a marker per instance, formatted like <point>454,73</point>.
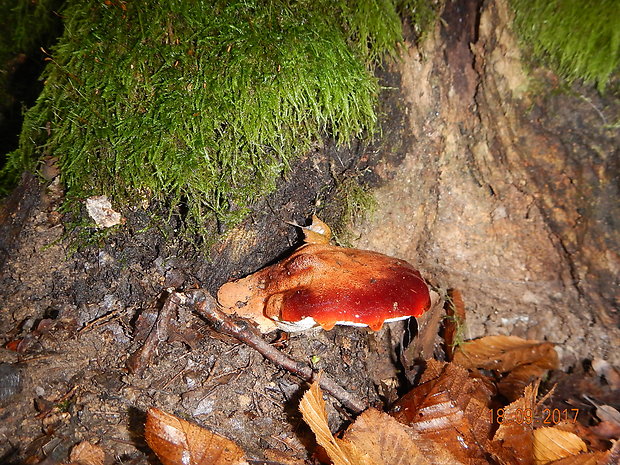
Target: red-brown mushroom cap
<point>328,285</point>
<point>349,286</point>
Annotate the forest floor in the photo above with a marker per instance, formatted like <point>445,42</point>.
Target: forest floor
<point>71,319</point>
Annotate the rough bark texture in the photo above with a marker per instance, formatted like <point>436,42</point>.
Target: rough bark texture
<point>507,196</point>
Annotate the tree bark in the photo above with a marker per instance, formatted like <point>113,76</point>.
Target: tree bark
<point>507,193</point>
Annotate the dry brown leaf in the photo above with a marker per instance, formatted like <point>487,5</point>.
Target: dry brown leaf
<point>589,434</point>
<point>384,439</point>
<point>312,407</point>
<point>605,412</point>
<point>388,442</point>
<point>86,453</point>
<point>513,440</point>
<point>552,444</point>
<point>484,388</point>
<point>513,384</point>
<point>607,430</point>
<point>179,442</point>
<point>433,369</point>
<point>374,439</point>
<point>612,456</point>
<point>449,409</point>
<point>593,458</point>
<point>505,353</point>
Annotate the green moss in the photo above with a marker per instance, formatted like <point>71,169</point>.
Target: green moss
<point>25,25</point>
<point>580,39</point>
<point>373,27</point>
<point>423,15</point>
<point>203,103</point>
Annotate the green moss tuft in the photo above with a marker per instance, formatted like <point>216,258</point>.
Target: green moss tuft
<point>25,24</point>
<point>423,15</point>
<point>373,27</point>
<point>579,38</point>
<point>203,103</point>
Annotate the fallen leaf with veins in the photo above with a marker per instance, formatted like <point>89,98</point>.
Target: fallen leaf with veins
<point>449,407</point>
<point>523,360</point>
<point>374,439</point>
<point>179,442</point>
<point>551,444</point>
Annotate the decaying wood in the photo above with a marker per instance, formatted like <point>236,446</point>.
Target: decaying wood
<point>504,192</point>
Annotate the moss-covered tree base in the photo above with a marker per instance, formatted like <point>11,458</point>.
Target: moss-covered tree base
<point>488,186</point>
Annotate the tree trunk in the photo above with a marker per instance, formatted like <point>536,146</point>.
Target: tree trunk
<point>507,194</point>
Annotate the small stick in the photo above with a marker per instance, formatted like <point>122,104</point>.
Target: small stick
<point>101,320</point>
<point>206,306</point>
<point>139,360</point>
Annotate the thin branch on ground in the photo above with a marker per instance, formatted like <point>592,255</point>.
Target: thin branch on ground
<point>207,307</point>
<point>140,359</point>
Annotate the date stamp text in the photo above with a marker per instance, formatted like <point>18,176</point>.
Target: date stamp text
<point>526,416</point>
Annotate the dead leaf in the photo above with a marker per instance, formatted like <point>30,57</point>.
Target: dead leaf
<point>504,353</point>
<point>609,427</point>
<point>374,439</point>
<point>179,442</point>
<point>513,440</point>
<point>513,384</point>
<point>86,453</point>
<point>445,421</point>
<point>383,438</point>
<point>551,444</point>
<point>605,412</point>
<point>100,210</point>
<point>450,409</point>
<point>525,361</point>
<point>389,442</point>
<point>341,452</point>
<point>607,430</point>
<point>593,458</point>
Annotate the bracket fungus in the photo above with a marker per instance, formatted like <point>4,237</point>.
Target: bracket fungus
<point>325,285</point>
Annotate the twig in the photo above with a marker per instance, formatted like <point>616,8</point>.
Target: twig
<point>206,306</point>
<point>101,320</point>
<point>139,360</point>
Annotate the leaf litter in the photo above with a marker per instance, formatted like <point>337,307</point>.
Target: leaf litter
<point>483,407</point>
<point>452,416</point>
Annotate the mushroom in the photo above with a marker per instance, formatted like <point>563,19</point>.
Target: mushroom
<point>326,285</point>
